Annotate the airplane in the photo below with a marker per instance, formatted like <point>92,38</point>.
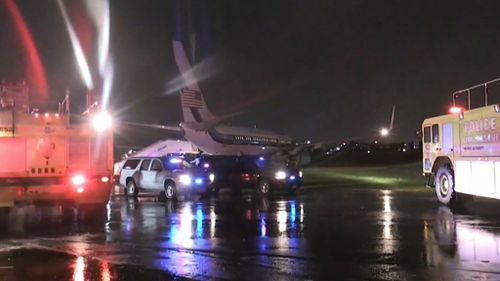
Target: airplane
<point>206,131</point>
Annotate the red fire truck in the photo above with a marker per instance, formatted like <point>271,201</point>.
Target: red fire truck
<point>52,156</point>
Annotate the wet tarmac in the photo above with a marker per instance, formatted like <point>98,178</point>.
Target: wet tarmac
<point>327,233</point>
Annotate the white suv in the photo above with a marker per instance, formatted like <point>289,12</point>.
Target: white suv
<point>172,176</point>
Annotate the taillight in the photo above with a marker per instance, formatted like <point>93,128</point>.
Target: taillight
<point>246,177</point>
<point>104,179</point>
<point>78,180</point>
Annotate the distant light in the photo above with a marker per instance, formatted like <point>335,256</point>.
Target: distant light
<point>57,114</point>
<point>261,158</point>
<point>198,181</point>
<point>308,142</point>
<point>211,177</point>
<point>384,132</point>
<point>337,148</point>
<point>206,165</point>
<point>455,110</point>
<point>47,114</point>
<point>36,114</point>
<point>404,149</point>
<point>376,142</point>
<point>369,151</point>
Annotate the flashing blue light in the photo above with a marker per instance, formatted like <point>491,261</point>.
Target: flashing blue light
<point>175,161</point>
<point>292,178</point>
<point>206,165</point>
<point>199,222</point>
<point>261,158</point>
<point>198,181</point>
<point>293,212</point>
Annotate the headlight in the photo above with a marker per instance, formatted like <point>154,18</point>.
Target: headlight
<point>280,175</point>
<point>211,177</point>
<point>300,174</point>
<point>185,179</point>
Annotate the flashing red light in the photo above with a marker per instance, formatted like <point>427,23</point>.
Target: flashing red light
<point>80,190</point>
<point>105,179</point>
<point>46,115</point>
<point>455,110</point>
<point>36,114</point>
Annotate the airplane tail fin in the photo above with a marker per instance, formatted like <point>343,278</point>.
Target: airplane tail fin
<point>194,108</point>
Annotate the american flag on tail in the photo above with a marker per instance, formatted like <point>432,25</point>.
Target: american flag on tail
<point>191,98</point>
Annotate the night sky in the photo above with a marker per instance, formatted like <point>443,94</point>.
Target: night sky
<point>320,70</point>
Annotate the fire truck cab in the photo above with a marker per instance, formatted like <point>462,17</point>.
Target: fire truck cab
<point>48,156</point>
<point>461,150</point>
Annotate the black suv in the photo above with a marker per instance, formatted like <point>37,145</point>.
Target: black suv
<point>255,172</point>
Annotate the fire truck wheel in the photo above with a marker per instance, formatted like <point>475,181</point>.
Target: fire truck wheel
<point>132,190</point>
<point>445,185</point>
<point>263,187</point>
<point>169,190</point>
<point>4,210</point>
<point>92,211</point>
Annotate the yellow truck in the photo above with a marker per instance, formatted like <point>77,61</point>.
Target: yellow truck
<point>461,150</point>
<point>52,156</point>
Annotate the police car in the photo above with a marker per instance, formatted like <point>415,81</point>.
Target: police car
<point>171,175</point>
<point>258,173</point>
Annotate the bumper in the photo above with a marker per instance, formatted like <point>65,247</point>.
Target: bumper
<point>91,193</point>
<point>286,184</point>
<point>194,189</point>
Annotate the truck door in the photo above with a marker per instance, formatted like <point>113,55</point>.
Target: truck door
<point>447,138</point>
<point>156,175</point>
<point>144,173</point>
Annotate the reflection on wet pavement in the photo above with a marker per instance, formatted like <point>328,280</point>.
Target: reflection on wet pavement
<point>325,234</point>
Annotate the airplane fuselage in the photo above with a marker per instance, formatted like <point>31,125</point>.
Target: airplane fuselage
<point>228,140</point>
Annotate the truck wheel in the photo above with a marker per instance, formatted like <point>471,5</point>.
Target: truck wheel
<point>4,211</point>
<point>132,190</point>
<point>169,190</point>
<point>263,187</point>
<point>92,211</point>
<point>214,190</point>
<point>445,185</point>
<point>293,189</point>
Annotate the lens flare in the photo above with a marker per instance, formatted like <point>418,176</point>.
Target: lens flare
<point>36,70</point>
<point>83,65</point>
